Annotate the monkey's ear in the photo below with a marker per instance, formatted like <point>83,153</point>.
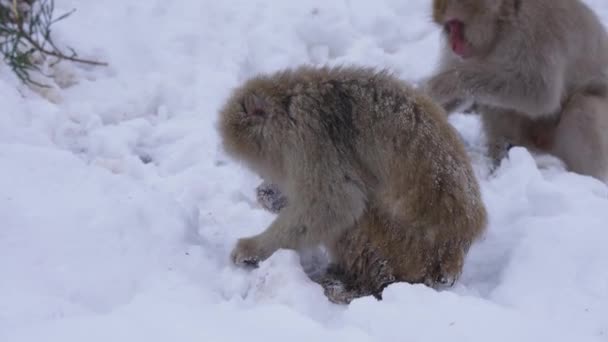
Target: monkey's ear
<point>254,105</point>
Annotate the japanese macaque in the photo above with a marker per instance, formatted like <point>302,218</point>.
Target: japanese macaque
<point>536,71</point>
<point>370,169</point>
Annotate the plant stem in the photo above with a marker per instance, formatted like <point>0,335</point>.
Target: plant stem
<point>57,54</point>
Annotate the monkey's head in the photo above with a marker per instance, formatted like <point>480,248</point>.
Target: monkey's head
<point>255,125</point>
<point>470,26</point>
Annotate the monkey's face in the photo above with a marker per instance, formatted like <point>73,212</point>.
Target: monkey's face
<point>469,26</point>
<point>252,129</point>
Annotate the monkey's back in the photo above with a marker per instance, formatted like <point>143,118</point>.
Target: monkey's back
<point>424,203</point>
<point>417,157</point>
<point>401,141</point>
<point>560,27</point>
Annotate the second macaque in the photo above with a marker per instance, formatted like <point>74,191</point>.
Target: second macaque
<point>536,72</point>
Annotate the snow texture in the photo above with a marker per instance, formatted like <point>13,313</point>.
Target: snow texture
<point>119,209</point>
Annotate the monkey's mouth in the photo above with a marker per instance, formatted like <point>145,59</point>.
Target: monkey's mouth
<point>454,29</point>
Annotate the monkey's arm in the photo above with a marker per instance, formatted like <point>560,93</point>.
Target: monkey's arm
<point>535,92</point>
<point>313,217</point>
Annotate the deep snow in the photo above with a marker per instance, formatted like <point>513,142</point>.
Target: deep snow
<point>119,209</point>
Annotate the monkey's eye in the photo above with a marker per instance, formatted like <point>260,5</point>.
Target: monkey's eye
<point>257,112</point>
<point>455,29</point>
<point>252,112</point>
<point>453,26</point>
<point>254,106</point>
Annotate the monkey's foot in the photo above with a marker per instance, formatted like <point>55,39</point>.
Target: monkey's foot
<point>496,153</point>
<point>441,282</point>
<point>334,285</point>
<point>339,293</point>
<point>446,271</point>
<point>248,253</point>
<point>336,292</point>
<point>341,288</point>
<point>270,197</point>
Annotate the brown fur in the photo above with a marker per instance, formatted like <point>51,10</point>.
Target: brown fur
<point>371,170</point>
<point>537,72</point>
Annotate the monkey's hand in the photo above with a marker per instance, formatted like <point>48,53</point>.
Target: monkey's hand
<point>445,90</point>
<point>270,197</point>
<point>249,252</point>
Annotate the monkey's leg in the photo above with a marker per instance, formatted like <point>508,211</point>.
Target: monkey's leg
<point>270,197</point>
<point>505,129</point>
<point>581,137</point>
<point>500,130</point>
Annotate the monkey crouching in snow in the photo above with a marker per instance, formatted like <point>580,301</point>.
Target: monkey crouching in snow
<point>370,169</point>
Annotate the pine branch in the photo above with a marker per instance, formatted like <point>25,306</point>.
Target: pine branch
<point>25,32</point>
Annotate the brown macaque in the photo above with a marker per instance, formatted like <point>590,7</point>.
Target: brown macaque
<point>370,169</point>
<point>536,71</point>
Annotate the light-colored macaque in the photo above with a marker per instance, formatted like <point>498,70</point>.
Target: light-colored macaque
<point>536,71</point>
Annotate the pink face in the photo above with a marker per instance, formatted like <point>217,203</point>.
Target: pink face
<point>455,32</point>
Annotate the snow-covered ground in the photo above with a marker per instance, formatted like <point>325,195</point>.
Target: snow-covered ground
<point>118,209</point>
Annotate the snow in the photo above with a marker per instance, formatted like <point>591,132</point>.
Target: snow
<point>119,209</point>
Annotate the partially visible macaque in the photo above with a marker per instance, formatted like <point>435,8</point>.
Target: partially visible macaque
<point>536,72</point>
<point>370,169</point>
